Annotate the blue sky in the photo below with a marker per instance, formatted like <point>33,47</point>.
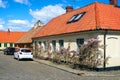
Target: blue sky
<point>21,15</point>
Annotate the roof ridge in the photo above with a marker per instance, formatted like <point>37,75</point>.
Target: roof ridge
<point>97,19</point>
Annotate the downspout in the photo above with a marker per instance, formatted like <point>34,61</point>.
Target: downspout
<point>98,27</point>
<point>104,65</point>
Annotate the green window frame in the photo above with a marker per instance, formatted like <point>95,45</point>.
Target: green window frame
<point>5,44</point>
<point>11,44</point>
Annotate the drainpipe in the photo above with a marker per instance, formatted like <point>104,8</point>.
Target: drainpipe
<point>105,33</point>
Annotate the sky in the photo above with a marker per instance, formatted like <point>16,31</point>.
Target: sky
<point>21,15</point>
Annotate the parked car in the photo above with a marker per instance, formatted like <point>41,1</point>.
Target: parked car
<point>9,50</point>
<point>23,53</point>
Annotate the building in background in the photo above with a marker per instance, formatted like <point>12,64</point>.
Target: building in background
<point>8,38</point>
<point>26,40</point>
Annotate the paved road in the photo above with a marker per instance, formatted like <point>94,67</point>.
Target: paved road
<point>11,69</point>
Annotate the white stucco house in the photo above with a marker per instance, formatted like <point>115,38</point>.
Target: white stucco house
<point>96,20</point>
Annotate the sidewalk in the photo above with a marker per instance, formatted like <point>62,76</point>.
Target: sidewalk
<point>77,72</point>
<point>59,66</point>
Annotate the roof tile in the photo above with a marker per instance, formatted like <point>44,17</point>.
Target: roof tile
<point>97,14</point>
<point>10,36</point>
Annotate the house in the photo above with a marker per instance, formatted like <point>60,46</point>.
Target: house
<point>26,40</point>
<point>8,38</point>
<point>96,20</point>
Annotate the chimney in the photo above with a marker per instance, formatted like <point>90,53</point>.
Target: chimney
<point>69,9</point>
<point>114,2</point>
<point>8,30</point>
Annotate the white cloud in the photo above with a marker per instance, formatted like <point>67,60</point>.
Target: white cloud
<point>18,22</point>
<point>2,25</point>
<point>1,28</point>
<point>2,4</point>
<point>19,25</point>
<point>26,2</point>
<point>47,12</point>
<point>1,21</point>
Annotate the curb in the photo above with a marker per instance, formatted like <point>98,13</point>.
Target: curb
<point>73,71</point>
<point>61,67</point>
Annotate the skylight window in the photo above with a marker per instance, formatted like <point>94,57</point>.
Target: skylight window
<point>71,19</point>
<point>76,17</point>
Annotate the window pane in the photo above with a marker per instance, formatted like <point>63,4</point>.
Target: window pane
<point>78,17</point>
<point>5,44</point>
<point>80,42</point>
<point>71,19</point>
<point>54,44</point>
<point>40,42</point>
<point>11,44</point>
<point>61,43</point>
<point>25,50</point>
<point>45,45</point>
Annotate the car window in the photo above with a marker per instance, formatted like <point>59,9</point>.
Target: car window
<point>25,50</point>
<point>12,48</point>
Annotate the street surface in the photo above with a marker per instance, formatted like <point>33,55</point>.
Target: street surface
<point>11,69</point>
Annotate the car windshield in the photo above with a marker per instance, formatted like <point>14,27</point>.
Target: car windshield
<point>12,48</point>
<point>25,50</point>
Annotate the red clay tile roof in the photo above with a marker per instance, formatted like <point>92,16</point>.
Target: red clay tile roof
<point>98,15</point>
<point>27,38</point>
<point>10,36</point>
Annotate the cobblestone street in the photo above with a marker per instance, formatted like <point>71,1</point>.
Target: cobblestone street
<point>11,69</point>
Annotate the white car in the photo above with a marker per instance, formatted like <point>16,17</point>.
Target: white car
<point>23,53</point>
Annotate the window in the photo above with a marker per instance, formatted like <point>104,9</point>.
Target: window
<point>79,42</point>
<point>25,50</point>
<point>11,44</point>
<point>72,18</point>
<point>61,43</point>
<point>45,45</point>
<point>0,44</point>
<point>5,44</point>
<point>76,17</point>
<point>40,43</point>
<point>54,44</point>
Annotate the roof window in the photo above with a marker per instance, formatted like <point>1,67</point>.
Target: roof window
<point>76,17</point>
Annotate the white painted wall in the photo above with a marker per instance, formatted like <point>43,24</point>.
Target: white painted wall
<point>112,43</point>
<point>2,45</point>
<point>68,39</point>
<point>113,50</point>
